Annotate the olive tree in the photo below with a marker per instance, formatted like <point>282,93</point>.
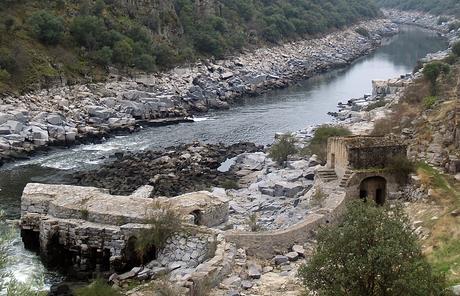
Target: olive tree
<point>372,252</point>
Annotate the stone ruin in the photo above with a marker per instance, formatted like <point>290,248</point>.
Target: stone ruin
<point>361,165</point>
<point>89,229</point>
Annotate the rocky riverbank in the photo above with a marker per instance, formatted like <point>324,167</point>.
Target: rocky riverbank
<point>65,116</point>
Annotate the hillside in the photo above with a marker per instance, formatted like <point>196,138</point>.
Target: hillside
<point>47,43</point>
<point>451,7</point>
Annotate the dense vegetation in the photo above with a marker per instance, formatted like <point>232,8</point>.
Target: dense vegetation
<point>373,252</point>
<point>42,42</point>
<point>433,6</point>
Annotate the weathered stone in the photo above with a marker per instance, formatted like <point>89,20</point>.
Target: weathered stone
<point>299,250</point>
<point>246,285</point>
<point>456,290</point>
<point>254,270</point>
<point>279,259</point>
<point>126,275</point>
<point>292,256</point>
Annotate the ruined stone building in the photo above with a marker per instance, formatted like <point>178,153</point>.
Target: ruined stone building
<point>361,163</point>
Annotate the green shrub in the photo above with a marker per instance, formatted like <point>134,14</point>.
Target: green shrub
<point>402,167</point>
<point>47,27</point>
<point>253,223</point>
<point>362,31</point>
<point>123,52</point>
<point>454,26</point>
<point>97,288</point>
<point>428,102</point>
<point>451,59</point>
<point>283,148</point>
<point>432,71</point>
<point>456,48</point>
<point>145,62</point>
<point>318,144</point>
<point>103,56</point>
<point>4,75</point>
<point>372,251</point>
<point>163,223</point>
<point>375,105</point>
<point>230,184</point>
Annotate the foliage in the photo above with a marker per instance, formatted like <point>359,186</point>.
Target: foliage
<point>283,148</point>
<point>97,288</point>
<point>375,105</point>
<point>428,102</point>
<point>253,223</point>
<point>401,167</point>
<point>432,6</point>
<point>158,39</point>
<point>373,251</point>
<point>432,71</point>
<point>163,222</point>
<point>47,27</point>
<point>230,184</point>
<point>362,31</point>
<point>456,48</point>
<point>318,144</point>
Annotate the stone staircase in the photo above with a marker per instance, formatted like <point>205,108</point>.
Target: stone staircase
<point>327,175</point>
<point>346,176</point>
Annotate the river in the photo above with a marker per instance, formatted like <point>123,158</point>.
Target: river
<point>255,119</point>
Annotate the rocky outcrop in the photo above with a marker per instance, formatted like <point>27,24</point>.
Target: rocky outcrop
<point>69,114</point>
<point>172,171</point>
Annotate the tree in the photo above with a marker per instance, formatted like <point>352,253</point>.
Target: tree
<point>123,52</point>
<point>47,27</point>
<point>372,252</point>
<point>432,71</point>
<point>284,147</point>
<point>103,56</point>
<point>318,144</point>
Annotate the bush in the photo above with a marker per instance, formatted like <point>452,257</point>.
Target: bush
<point>375,105</point>
<point>230,184</point>
<point>428,102</point>
<point>283,148</point>
<point>4,75</point>
<point>47,27</point>
<point>145,62</point>
<point>318,144</point>
<point>253,223</point>
<point>97,288</point>
<point>123,52</point>
<point>163,223</point>
<point>456,48</point>
<point>401,167</point>
<point>103,56</point>
<point>362,31</point>
<point>432,71</point>
<point>372,252</point>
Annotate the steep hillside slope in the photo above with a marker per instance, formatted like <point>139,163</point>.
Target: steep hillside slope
<point>44,43</point>
<point>433,6</point>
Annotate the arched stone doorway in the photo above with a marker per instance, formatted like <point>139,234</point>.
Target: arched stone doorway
<point>374,188</point>
<point>197,217</point>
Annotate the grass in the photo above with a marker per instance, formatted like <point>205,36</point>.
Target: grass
<point>97,288</point>
<point>443,244</point>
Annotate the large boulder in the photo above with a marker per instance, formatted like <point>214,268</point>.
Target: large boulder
<point>99,112</point>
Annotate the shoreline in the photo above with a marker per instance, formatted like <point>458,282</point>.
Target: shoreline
<point>89,113</point>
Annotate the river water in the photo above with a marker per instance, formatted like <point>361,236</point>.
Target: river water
<point>256,119</point>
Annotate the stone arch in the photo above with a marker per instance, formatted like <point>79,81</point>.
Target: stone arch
<point>197,217</point>
<point>374,188</point>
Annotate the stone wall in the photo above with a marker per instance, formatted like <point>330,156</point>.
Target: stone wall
<point>92,229</point>
<point>269,243</point>
<point>374,157</point>
<point>337,156</point>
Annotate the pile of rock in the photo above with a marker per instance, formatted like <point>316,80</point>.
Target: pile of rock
<point>172,171</point>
